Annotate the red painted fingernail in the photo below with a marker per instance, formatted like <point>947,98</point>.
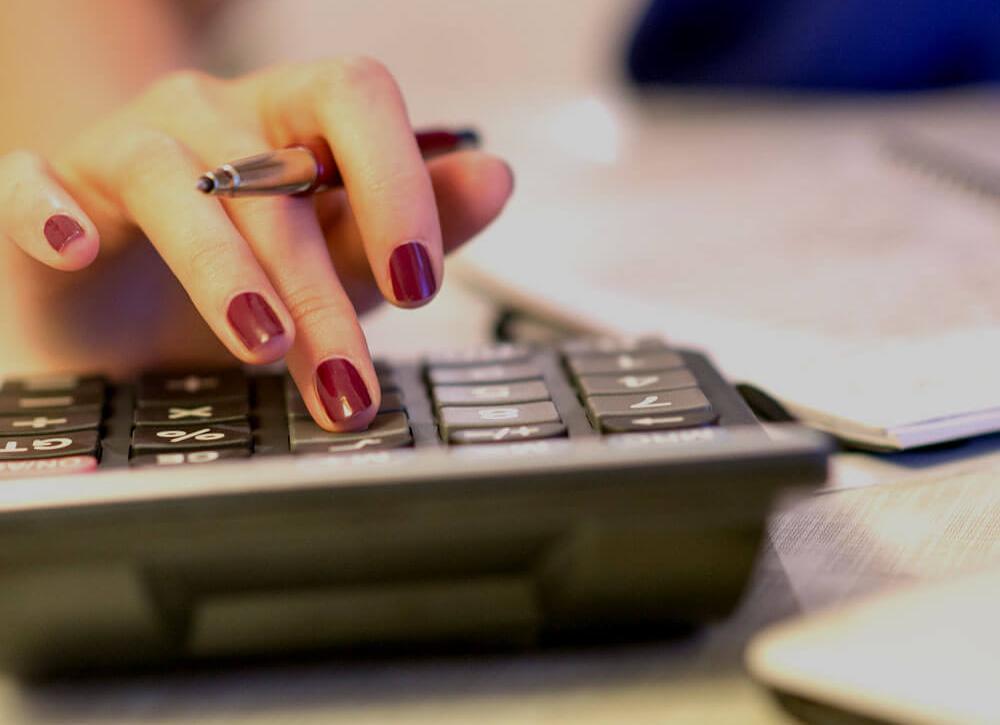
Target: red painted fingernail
<point>341,389</point>
<point>253,320</point>
<point>411,273</point>
<point>61,229</point>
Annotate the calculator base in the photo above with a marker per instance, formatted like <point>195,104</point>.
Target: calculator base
<point>305,570</point>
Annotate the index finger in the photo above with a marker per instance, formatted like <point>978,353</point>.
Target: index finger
<point>356,106</point>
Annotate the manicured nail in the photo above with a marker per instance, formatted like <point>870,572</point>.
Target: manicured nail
<point>341,389</point>
<point>61,229</point>
<point>253,320</point>
<point>411,273</point>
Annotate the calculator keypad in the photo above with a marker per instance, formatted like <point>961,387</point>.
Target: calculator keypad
<point>478,398</point>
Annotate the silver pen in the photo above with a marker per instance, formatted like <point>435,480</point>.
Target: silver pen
<point>309,167</point>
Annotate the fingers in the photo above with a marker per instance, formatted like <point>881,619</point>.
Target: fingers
<point>470,189</point>
<point>329,360</point>
<point>357,107</point>
<point>40,216</point>
<point>151,174</point>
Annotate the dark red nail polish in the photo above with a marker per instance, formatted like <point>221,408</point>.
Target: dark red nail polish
<point>341,389</point>
<point>411,273</point>
<point>61,229</point>
<point>253,320</point>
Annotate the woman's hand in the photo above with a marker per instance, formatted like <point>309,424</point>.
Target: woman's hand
<point>266,277</point>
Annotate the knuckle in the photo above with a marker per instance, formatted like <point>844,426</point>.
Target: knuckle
<point>184,86</point>
<point>310,306</point>
<point>352,73</point>
<point>209,261</point>
<point>144,153</point>
<point>394,182</point>
<point>21,163</point>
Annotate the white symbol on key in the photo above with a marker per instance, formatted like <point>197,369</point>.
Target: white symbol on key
<point>650,401</point>
<point>204,411</point>
<point>499,413</point>
<point>12,447</point>
<point>491,392</point>
<point>179,436</point>
<point>355,446</point>
<point>658,421</point>
<point>51,444</point>
<point>632,381</point>
<point>39,422</point>
<point>173,459</point>
<point>501,433</point>
<point>192,384</point>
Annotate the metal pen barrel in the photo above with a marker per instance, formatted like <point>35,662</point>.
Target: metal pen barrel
<point>285,171</point>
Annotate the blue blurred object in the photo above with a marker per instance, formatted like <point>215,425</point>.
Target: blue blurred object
<point>876,45</point>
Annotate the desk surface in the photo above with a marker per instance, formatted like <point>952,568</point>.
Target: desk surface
<point>695,680</point>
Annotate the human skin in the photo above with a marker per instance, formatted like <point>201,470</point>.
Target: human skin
<point>114,263</point>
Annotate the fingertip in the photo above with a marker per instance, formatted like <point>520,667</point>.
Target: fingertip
<point>262,332</point>
<point>472,188</point>
<point>414,276</point>
<point>347,400</point>
<point>72,242</point>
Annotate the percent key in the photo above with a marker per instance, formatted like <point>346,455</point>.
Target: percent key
<point>190,437</point>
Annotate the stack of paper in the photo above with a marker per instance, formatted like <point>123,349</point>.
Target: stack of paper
<point>841,257</point>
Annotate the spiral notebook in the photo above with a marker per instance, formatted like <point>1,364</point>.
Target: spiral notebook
<point>840,257</point>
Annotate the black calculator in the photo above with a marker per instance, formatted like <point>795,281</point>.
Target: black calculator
<point>506,494</point>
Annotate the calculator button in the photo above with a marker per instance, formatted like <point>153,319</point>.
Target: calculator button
<point>79,443</point>
<point>391,403</point>
<point>496,373</point>
<point>636,382</point>
<point>89,386</point>
<point>499,415</point>
<point>304,430</point>
<point>48,466</point>
<point>295,406</point>
<point>604,345</point>
<point>49,423</point>
<point>165,389</point>
<point>177,458</point>
<point>358,445</point>
<point>687,400</point>
<point>482,355</point>
<point>663,421</point>
<point>191,413</point>
<point>507,434</point>
<point>665,438</point>
<point>190,437</point>
<point>526,392</point>
<point>626,362</point>
<point>14,403</point>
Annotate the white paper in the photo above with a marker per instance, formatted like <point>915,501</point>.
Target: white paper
<point>789,242</point>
